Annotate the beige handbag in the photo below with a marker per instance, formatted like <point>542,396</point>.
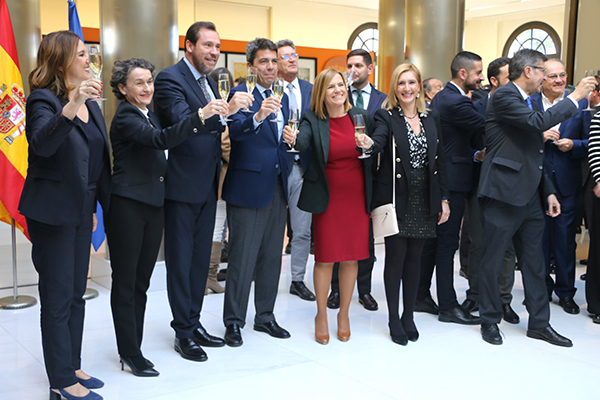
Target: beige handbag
<point>385,222</point>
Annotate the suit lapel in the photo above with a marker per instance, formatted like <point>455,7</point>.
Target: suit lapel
<point>429,127</point>
<point>96,115</point>
<point>193,84</point>
<point>324,137</point>
<point>266,125</point>
<point>401,136</point>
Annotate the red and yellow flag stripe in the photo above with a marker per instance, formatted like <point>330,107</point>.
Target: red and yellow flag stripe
<point>13,143</point>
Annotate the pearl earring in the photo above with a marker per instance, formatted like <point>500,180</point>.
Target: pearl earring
<point>418,94</point>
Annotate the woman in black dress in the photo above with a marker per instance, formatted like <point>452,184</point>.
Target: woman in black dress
<point>421,189</point>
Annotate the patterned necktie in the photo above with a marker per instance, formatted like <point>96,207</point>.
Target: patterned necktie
<point>202,82</point>
<point>529,103</point>
<point>267,93</point>
<point>360,103</point>
<point>292,96</point>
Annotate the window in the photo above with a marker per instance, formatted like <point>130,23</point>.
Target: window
<point>536,36</point>
<point>365,37</point>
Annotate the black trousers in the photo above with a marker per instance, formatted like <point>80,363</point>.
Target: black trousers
<point>134,230</point>
<point>523,225</point>
<point>61,256</point>
<point>365,269</point>
<point>439,253</point>
<point>188,242</point>
<point>592,281</point>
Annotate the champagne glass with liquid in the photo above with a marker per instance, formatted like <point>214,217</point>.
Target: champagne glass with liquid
<point>250,83</point>
<point>359,130</point>
<point>590,72</point>
<point>350,76</point>
<point>95,54</point>
<point>278,90</point>
<point>294,123</point>
<point>224,90</point>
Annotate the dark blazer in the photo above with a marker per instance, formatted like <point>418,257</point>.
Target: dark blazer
<point>140,164</point>
<point>388,122</point>
<point>197,159</point>
<point>314,133</point>
<point>257,156</point>
<point>306,90</point>
<point>460,121</point>
<point>57,175</point>
<point>512,170</point>
<point>377,98</point>
<point>564,168</point>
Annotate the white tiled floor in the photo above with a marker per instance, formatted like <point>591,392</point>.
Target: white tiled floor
<point>448,362</point>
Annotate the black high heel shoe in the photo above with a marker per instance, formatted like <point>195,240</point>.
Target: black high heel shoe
<point>412,336</point>
<point>138,366</point>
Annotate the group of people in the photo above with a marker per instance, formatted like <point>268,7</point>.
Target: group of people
<point>421,157</point>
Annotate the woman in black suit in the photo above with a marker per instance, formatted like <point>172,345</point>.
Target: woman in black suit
<point>68,170</point>
<point>421,189</point>
<point>337,191</point>
<point>134,225</point>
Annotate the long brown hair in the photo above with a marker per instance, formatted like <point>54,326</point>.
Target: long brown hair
<point>392,100</point>
<point>317,101</point>
<point>57,51</point>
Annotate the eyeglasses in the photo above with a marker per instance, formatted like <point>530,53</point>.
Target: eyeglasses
<point>544,70</point>
<point>286,57</point>
<point>552,77</point>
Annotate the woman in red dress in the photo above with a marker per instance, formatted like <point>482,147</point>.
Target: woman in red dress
<point>337,191</point>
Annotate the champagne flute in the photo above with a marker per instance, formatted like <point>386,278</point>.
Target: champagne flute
<point>95,54</point>
<point>359,130</point>
<point>224,90</point>
<point>250,83</point>
<point>294,122</point>
<point>590,72</point>
<point>350,76</point>
<point>278,90</point>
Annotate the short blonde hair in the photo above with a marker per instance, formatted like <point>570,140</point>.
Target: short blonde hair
<point>392,100</point>
<point>317,101</point>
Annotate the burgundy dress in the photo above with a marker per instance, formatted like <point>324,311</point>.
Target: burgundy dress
<point>341,233</point>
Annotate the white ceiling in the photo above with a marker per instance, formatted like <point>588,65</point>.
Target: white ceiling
<point>473,8</point>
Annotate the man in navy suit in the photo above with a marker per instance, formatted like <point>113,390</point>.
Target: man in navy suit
<point>191,182</point>
<point>431,86</point>
<point>514,191</point>
<point>460,121</point>
<point>255,190</point>
<point>365,96</point>
<point>299,94</point>
<point>565,145</point>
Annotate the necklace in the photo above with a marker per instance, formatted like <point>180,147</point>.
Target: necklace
<point>413,117</point>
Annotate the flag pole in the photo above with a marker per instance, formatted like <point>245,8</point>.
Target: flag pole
<point>15,302</point>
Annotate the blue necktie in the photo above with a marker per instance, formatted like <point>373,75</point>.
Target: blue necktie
<point>529,103</point>
<point>292,97</point>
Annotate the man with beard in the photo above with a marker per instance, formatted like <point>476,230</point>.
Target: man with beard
<point>460,121</point>
<point>191,182</point>
<point>255,189</point>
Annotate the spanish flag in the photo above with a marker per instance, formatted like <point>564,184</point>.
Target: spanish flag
<point>13,143</point>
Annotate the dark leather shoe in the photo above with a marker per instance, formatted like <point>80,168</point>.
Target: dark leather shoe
<point>189,350</point>
<point>469,305</point>
<point>583,277</point>
<point>583,261</point>
<point>463,272</point>
<point>233,336</point>
<point>569,305</point>
<point>368,302</point>
<point>509,314</point>
<point>300,290</point>
<point>427,305</point>
<point>596,319</point>
<point>402,340</point>
<point>203,338</point>
<point>458,316</point>
<point>333,301</point>
<point>491,334</point>
<point>549,335</point>
<point>288,248</point>
<point>412,336</point>
<point>273,329</point>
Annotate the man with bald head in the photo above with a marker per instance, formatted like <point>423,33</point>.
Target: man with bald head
<point>565,145</point>
<point>431,86</point>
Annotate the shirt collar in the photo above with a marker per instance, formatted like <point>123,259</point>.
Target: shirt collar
<point>366,89</point>
<point>459,88</point>
<point>546,101</point>
<point>523,93</point>
<point>194,71</point>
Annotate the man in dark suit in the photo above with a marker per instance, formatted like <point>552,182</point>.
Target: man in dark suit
<point>512,191</point>
<point>431,86</point>
<point>565,146</point>
<point>255,190</point>
<point>497,73</point>
<point>365,96</point>
<point>299,93</point>
<point>191,182</point>
<point>460,121</point>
